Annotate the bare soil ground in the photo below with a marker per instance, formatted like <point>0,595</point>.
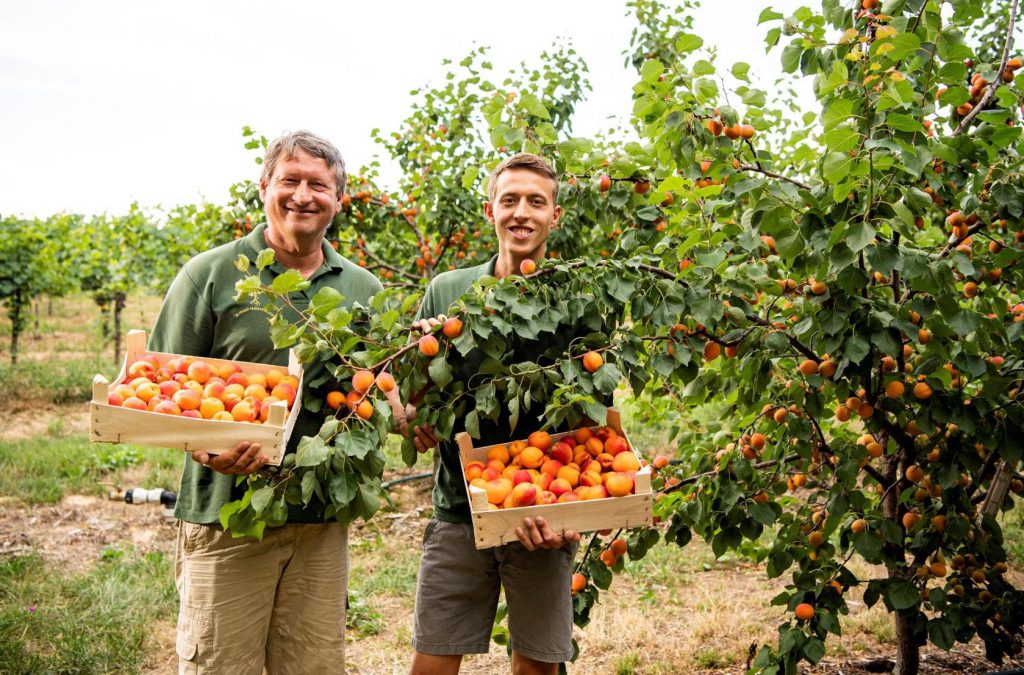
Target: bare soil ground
<point>700,620</point>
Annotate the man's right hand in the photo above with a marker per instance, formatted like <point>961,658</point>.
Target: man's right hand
<point>241,459</point>
<point>423,436</point>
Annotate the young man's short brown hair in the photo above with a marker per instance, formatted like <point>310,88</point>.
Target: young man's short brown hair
<point>530,162</point>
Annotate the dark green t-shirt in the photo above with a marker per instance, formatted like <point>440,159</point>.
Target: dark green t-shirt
<point>451,503</point>
<point>201,317</point>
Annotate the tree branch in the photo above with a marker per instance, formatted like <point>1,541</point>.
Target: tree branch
<point>996,81</point>
<point>757,169</point>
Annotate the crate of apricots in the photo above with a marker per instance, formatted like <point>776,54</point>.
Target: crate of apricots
<point>191,403</point>
<point>584,480</point>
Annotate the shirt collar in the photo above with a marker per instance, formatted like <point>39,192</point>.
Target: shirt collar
<point>256,241</point>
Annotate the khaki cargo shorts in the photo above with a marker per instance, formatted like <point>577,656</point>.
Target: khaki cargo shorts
<point>246,604</point>
<point>457,596</point>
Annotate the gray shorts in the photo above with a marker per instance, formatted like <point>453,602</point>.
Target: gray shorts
<point>457,595</point>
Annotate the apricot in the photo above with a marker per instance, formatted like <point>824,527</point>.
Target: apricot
<point>808,367</point>
<point>579,582</point>
<point>805,611</point>
<point>531,457</point>
<point>335,399</point>
<point>428,346</point>
<point>561,451</point>
<point>604,183</point>
<point>624,462</point>
<point>186,399</point>
<point>524,494</point>
<point>859,525</point>
<point>497,490</point>
<point>592,361</point>
<point>167,407</point>
<point>619,547</point>
<point>200,371</point>
<point>362,381</point>
<point>500,453</point>
<point>285,392</point>
<point>134,403</point>
<point>609,558</point>
<point>618,484</point>
<point>595,446</point>
<point>660,462</point>
<point>551,467</point>
<point>894,389</point>
<point>712,350</point>
<point>452,328</point>
<point>527,267</point>
<point>570,475</point>
<point>922,390</point>
<point>540,440</point>
<point>256,391</point>
<point>365,410</point>
<point>385,382</point>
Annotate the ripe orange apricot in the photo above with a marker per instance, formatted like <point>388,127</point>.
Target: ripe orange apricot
<point>894,389</point>
<point>625,462</point>
<point>428,346</point>
<point>540,440</point>
<point>758,440</point>
<point>592,361</point>
<point>859,525</point>
<point>618,484</point>
<point>922,390</point>
<point>619,547</point>
<point>365,410</point>
<point>385,382</point>
<point>609,558</point>
<point>914,473</point>
<point>527,266</point>
<point>531,458</point>
<point>805,611</point>
<point>362,381</point>
<point>660,462</point>
<point>579,582</point>
<point>452,328</point>
<point>712,350</point>
<point>604,183</point>
<point>808,367</point>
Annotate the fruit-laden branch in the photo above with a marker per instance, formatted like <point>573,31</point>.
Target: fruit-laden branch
<point>707,474</point>
<point>380,263</point>
<point>996,81</point>
<point>799,346</point>
<point>974,229</point>
<point>766,172</point>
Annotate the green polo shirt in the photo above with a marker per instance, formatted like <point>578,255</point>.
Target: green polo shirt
<point>201,317</point>
<point>451,503</point>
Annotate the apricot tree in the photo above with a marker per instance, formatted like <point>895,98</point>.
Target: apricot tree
<point>842,283</point>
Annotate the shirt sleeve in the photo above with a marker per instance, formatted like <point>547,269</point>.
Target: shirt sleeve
<point>427,309</point>
<point>185,323</point>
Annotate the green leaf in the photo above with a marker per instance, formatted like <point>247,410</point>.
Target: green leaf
<point>902,122</point>
<point>311,451</point>
<point>472,424</point>
<point>768,14</point>
<point>440,372</point>
<point>837,166</point>
<point>265,258</point>
<point>262,497</point>
<point>289,282</point>
<point>902,595</point>
<point>740,71</point>
<point>533,105</point>
<point>607,378</point>
<point>688,42</point>
<point>940,632</point>
<point>791,55</point>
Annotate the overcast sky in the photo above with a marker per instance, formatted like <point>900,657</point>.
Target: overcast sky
<point>104,103</point>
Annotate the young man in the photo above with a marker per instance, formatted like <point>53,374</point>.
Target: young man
<point>279,603</point>
<point>458,585</point>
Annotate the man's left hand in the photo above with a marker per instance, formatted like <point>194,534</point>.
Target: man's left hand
<point>535,533</point>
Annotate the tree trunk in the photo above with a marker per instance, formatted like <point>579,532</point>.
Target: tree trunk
<point>908,657</point>
<point>15,325</point>
<point>119,303</point>
<point>49,305</point>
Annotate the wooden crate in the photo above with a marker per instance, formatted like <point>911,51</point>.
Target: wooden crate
<point>496,527</point>
<point>113,424</point>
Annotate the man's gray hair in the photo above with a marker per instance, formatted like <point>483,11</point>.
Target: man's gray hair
<point>286,146</point>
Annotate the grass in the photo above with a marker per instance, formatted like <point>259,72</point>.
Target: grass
<point>42,470</point>
<point>98,621</point>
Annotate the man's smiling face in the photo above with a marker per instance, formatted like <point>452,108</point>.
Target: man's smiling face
<point>301,197</point>
<point>523,212</point>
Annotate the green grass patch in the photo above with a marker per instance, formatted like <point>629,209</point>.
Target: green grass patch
<point>99,621</point>
<point>384,566</point>
<point>42,470</point>
<point>61,381</point>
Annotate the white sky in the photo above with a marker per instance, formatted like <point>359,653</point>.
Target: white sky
<point>102,103</point>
